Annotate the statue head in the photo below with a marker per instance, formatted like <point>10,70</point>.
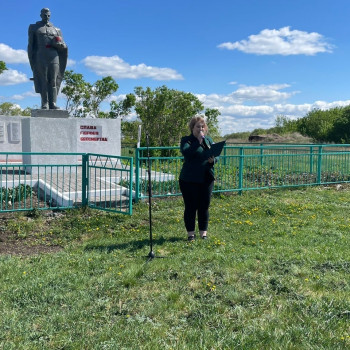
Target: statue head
<point>45,14</point>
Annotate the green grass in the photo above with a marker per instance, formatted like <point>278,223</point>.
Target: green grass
<point>274,274</point>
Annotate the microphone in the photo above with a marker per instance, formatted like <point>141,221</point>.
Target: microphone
<point>204,141</point>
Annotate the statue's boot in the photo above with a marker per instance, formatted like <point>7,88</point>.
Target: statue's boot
<point>53,99</point>
<point>44,100</point>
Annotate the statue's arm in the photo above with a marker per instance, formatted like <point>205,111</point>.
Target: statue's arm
<point>60,34</point>
<point>30,48</point>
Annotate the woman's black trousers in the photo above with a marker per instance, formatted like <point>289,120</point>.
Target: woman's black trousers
<point>197,200</point>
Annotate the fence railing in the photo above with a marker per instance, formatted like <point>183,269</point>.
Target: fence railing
<point>242,168</point>
<point>109,182</point>
<point>65,180</point>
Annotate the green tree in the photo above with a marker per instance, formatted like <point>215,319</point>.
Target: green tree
<point>284,125</point>
<point>97,93</point>
<point>122,108</point>
<point>130,131</point>
<point>341,127</point>
<point>2,67</point>
<point>319,124</point>
<point>211,116</point>
<point>76,90</point>
<point>27,112</point>
<point>165,114</point>
<point>259,131</point>
<point>84,98</point>
<point>10,109</point>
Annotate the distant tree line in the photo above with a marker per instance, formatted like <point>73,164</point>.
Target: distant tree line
<point>8,108</point>
<point>332,125</point>
<point>325,126</point>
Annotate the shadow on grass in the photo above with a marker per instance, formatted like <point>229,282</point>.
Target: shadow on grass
<point>132,246</point>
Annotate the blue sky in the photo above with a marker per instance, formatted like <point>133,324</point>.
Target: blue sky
<point>251,59</point>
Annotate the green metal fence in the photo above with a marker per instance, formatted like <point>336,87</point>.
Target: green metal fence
<point>109,183</point>
<point>242,168</point>
<point>128,149</point>
<point>65,180</point>
<point>165,165</point>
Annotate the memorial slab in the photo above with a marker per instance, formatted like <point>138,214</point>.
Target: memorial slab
<point>49,113</point>
<point>57,135</point>
<point>48,135</point>
<point>11,137</point>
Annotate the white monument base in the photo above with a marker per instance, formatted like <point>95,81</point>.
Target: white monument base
<point>67,135</point>
<point>46,135</point>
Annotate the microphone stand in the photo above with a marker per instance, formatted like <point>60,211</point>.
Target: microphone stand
<point>151,254</point>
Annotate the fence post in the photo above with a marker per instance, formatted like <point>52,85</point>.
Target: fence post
<point>241,162</point>
<point>137,175</point>
<point>225,155</point>
<point>311,160</point>
<point>319,169</point>
<point>84,185</point>
<point>261,154</point>
<point>130,187</point>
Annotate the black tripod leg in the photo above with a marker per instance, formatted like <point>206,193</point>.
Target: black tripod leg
<point>151,254</point>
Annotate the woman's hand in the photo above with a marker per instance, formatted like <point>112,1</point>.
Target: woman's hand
<point>211,160</point>
<point>198,131</point>
<point>200,137</point>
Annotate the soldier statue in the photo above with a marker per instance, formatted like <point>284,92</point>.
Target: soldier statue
<point>48,54</point>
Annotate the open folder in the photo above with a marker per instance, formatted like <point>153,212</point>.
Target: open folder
<point>216,148</point>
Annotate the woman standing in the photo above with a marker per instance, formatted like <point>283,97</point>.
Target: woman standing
<point>197,177</point>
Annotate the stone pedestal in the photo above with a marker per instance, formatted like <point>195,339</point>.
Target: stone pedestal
<point>49,113</point>
<point>10,138</point>
<point>48,135</point>
<point>44,132</point>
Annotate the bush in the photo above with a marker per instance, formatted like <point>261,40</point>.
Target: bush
<point>16,194</point>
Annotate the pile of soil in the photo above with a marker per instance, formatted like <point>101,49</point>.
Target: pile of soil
<point>11,244</point>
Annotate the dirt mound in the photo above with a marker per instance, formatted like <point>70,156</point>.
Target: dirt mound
<point>274,138</point>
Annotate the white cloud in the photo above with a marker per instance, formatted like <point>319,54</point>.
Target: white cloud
<point>119,69</point>
<point>130,117</point>
<point>259,93</point>
<point>245,111</point>
<point>12,77</point>
<point>15,106</point>
<point>117,98</point>
<point>281,42</point>
<point>19,97</point>
<point>229,124</point>
<point>265,93</point>
<point>71,63</point>
<point>237,115</point>
<point>10,55</point>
